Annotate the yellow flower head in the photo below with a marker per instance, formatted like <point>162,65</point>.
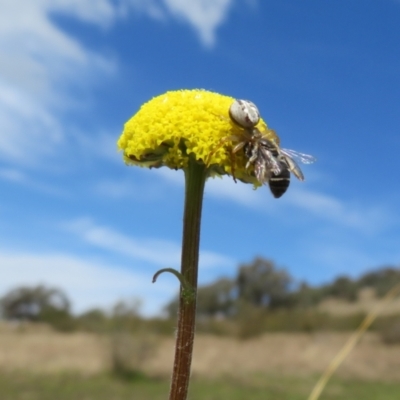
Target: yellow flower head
<point>174,126</point>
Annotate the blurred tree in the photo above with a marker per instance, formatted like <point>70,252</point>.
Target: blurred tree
<point>212,300</point>
<point>94,320</point>
<point>304,296</point>
<point>262,298</point>
<point>38,304</point>
<point>343,288</point>
<point>34,303</point>
<point>127,308</point>
<point>216,299</point>
<point>130,338</point>
<point>126,315</point>
<point>262,285</point>
<point>381,280</point>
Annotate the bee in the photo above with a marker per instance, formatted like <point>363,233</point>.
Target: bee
<point>271,163</point>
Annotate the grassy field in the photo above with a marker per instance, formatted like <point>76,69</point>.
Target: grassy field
<point>277,353</point>
<point>28,386</point>
<point>41,365</point>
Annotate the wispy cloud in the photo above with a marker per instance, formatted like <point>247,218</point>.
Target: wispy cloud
<point>243,194</point>
<point>364,217</point>
<point>339,252</point>
<point>223,188</point>
<point>360,216</point>
<point>340,256</point>
<point>87,283</point>
<point>22,178</point>
<point>38,64</point>
<point>116,189</point>
<point>100,12</point>
<point>19,110</point>
<point>148,190</point>
<point>204,15</point>
<point>13,175</point>
<point>160,252</point>
<point>98,146</point>
<point>153,8</point>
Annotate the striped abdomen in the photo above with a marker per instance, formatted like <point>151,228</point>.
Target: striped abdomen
<point>279,183</point>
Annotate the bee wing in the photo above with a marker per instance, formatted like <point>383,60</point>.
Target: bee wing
<point>299,157</point>
<point>293,166</point>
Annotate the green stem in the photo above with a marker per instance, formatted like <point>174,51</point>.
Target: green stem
<point>195,177</point>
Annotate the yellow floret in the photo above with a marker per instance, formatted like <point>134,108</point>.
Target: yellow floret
<point>178,124</point>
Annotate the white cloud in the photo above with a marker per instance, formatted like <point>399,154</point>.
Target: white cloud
<point>343,253</point>
<point>99,12</point>
<point>116,189</point>
<point>368,219</point>
<point>22,178</point>
<point>99,146</point>
<point>341,257</point>
<point>240,193</point>
<point>35,52</point>
<point>160,252</point>
<point>204,15</point>
<point>223,188</point>
<point>175,177</point>
<point>359,216</point>
<point>29,130</point>
<point>87,283</point>
<point>129,188</point>
<point>12,175</point>
<point>38,62</point>
<point>153,8</point>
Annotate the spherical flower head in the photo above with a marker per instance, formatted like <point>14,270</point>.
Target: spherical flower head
<point>174,126</point>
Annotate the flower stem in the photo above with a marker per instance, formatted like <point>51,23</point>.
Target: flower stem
<point>195,177</point>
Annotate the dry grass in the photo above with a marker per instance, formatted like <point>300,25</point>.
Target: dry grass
<point>291,354</point>
<point>366,301</point>
<point>280,353</point>
<point>47,352</point>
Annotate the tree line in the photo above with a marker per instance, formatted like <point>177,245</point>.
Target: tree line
<point>260,297</point>
<point>261,284</point>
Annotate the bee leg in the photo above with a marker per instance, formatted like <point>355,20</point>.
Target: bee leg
<point>219,145</point>
<point>233,161</point>
<point>238,147</point>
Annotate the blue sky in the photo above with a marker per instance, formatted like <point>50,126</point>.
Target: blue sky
<point>324,74</point>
